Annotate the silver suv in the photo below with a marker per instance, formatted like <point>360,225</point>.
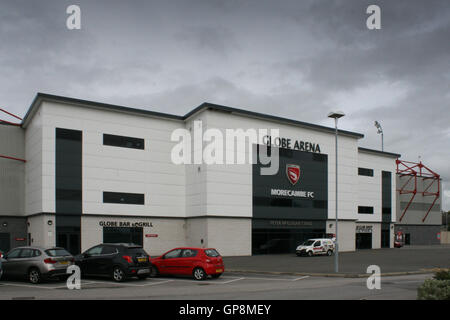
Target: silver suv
<point>36,263</point>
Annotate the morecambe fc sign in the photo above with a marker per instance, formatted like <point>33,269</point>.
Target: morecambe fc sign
<point>293,173</point>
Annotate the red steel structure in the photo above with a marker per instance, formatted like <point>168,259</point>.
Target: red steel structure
<point>12,115</point>
<point>414,171</point>
<point>12,124</point>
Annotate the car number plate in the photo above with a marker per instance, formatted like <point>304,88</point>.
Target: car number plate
<point>143,271</point>
<point>64,262</point>
<point>142,260</point>
<point>219,270</point>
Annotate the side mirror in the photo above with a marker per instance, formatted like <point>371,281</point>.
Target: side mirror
<point>86,255</point>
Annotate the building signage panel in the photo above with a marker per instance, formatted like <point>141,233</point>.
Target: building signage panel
<point>125,224</point>
<point>298,191</point>
<point>287,224</point>
<point>291,144</point>
<point>151,236</point>
<point>364,229</point>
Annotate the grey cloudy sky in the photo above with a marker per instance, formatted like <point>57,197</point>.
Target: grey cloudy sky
<point>296,59</point>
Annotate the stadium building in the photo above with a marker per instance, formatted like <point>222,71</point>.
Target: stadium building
<point>76,173</point>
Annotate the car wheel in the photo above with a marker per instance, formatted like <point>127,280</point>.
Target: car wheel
<point>34,276</point>
<point>310,253</point>
<point>118,274</point>
<point>329,252</point>
<point>154,272</point>
<point>199,274</point>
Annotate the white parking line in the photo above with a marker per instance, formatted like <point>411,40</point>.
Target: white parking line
<point>226,282</point>
<point>213,281</point>
<point>83,284</point>
<point>152,283</point>
<point>161,282</point>
<point>301,278</point>
<point>31,286</point>
<point>270,279</point>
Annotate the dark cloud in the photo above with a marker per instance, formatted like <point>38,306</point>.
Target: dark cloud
<point>291,58</point>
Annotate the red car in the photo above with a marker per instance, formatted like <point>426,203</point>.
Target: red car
<point>196,262</point>
<point>398,244</point>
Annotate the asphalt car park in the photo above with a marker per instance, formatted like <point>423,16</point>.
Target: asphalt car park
<point>95,286</point>
<point>392,260</point>
<point>102,283</point>
<point>231,286</point>
<point>260,277</point>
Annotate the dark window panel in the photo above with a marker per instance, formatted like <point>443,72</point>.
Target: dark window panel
<point>65,194</point>
<point>123,198</point>
<point>386,195</point>
<point>365,210</point>
<point>68,188</point>
<point>67,134</point>
<point>387,210</point>
<point>365,172</point>
<point>124,142</point>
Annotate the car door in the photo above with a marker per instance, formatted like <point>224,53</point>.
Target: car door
<point>187,261</point>
<point>104,262</point>
<point>317,248</point>
<point>25,261</point>
<point>10,263</point>
<point>90,260</point>
<point>170,262</point>
<point>327,246</point>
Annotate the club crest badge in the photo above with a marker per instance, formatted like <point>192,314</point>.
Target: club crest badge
<point>293,173</point>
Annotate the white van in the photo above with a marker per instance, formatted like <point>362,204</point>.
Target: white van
<point>314,247</point>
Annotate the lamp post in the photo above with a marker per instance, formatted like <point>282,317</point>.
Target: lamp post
<point>380,131</point>
<point>336,115</point>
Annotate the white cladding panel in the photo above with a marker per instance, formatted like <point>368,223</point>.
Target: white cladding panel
<point>107,168</point>
<point>34,165</point>
<point>369,188</point>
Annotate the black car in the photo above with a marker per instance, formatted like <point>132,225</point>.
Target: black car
<point>116,260</point>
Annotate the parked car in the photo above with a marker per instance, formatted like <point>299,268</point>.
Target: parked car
<point>116,260</point>
<point>36,263</point>
<point>196,262</point>
<point>398,244</point>
<point>316,247</point>
<point>399,240</point>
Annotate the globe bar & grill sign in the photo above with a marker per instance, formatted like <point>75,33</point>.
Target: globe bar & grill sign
<point>125,224</point>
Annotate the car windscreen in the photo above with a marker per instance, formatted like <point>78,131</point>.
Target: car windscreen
<point>57,252</point>
<point>308,243</point>
<point>211,253</point>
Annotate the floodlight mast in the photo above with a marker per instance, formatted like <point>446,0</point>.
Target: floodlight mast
<point>336,115</point>
<point>380,131</point>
